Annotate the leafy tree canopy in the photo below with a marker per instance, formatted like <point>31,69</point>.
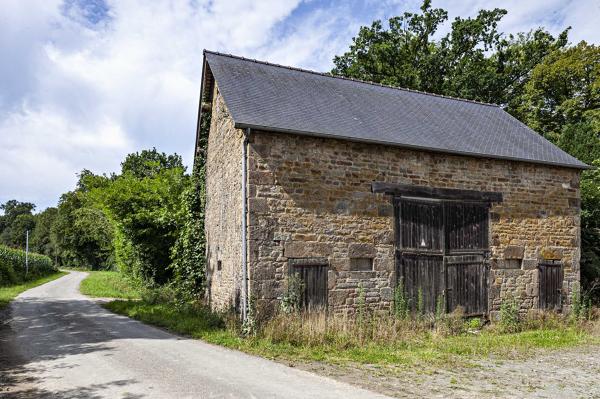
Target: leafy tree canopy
<point>17,219</point>
<point>149,163</point>
<point>472,61</point>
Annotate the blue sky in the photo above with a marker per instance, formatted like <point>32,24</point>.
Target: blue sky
<point>84,82</point>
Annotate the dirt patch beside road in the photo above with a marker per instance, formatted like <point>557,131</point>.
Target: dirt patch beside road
<point>566,373</point>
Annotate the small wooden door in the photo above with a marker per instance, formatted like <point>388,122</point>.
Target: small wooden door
<point>467,281</point>
<point>314,281</point>
<point>551,280</point>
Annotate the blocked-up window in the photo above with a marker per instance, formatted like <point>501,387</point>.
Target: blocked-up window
<point>361,264</point>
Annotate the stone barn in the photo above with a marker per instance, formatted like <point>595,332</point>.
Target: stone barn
<point>355,187</point>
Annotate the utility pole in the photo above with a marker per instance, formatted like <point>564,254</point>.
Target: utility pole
<point>26,253</point>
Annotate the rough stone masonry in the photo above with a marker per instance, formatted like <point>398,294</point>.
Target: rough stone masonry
<point>311,197</point>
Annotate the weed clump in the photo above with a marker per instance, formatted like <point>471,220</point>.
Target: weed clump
<point>509,315</point>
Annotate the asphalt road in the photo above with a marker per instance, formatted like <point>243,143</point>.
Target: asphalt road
<point>57,343</point>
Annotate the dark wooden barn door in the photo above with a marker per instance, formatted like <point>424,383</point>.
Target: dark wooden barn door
<point>551,279</point>
<point>466,229</point>
<point>314,281</point>
<point>421,257</point>
<point>442,247</point>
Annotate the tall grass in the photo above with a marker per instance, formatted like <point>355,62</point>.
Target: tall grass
<point>343,331</point>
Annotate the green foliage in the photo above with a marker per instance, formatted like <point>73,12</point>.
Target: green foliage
<point>474,323</point>
<point>564,89</point>
<point>188,252</point>
<point>146,212</point>
<point>17,219</point>
<point>193,319</point>
<point>510,321</point>
<point>590,228</point>
<point>420,302</point>
<point>82,233</point>
<point>577,304</point>
<point>401,305</point>
<point>150,163</point>
<point>440,307</point>
<point>473,60</point>
<point>361,305</point>
<point>12,266</point>
<point>188,255</point>
<point>291,302</point>
<point>582,140</point>
<point>40,239</point>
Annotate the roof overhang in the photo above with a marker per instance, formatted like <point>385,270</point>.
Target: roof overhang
<point>408,147</point>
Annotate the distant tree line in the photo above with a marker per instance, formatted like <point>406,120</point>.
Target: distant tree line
<point>144,221</point>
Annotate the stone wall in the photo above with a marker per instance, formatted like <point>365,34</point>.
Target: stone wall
<point>223,207</point>
<point>311,197</point>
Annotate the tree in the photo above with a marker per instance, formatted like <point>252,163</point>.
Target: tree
<point>590,226</point>
<point>472,61</point>
<point>41,241</point>
<point>17,219</point>
<point>564,89</point>
<point>81,232</point>
<point>149,163</point>
<point>145,211</point>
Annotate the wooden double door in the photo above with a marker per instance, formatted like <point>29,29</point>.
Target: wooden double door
<point>441,254</point>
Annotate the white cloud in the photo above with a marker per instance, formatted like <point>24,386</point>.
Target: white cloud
<point>42,150</point>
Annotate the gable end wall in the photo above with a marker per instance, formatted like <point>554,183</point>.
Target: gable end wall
<point>223,218</point>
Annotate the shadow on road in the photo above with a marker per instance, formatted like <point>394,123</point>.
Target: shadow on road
<point>36,330</point>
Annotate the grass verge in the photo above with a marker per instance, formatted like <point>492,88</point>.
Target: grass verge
<point>420,348</point>
<point>107,284</point>
<point>8,293</point>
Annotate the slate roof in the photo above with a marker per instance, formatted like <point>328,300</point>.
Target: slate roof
<point>271,97</point>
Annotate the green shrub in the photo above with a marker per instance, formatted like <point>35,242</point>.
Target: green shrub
<point>509,315</point>
<point>292,299</point>
<point>12,266</point>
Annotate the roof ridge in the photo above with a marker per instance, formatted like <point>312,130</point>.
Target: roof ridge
<point>330,75</point>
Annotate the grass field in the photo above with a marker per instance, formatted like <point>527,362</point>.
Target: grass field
<point>7,294</point>
<point>107,284</point>
<point>423,348</point>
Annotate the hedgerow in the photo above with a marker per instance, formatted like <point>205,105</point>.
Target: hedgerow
<point>12,266</point>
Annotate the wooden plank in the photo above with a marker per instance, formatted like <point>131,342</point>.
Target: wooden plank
<point>405,190</point>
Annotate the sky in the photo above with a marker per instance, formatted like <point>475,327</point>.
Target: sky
<point>85,82</point>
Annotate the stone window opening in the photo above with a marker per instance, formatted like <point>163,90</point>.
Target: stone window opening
<point>219,265</point>
<point>363,264</point>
